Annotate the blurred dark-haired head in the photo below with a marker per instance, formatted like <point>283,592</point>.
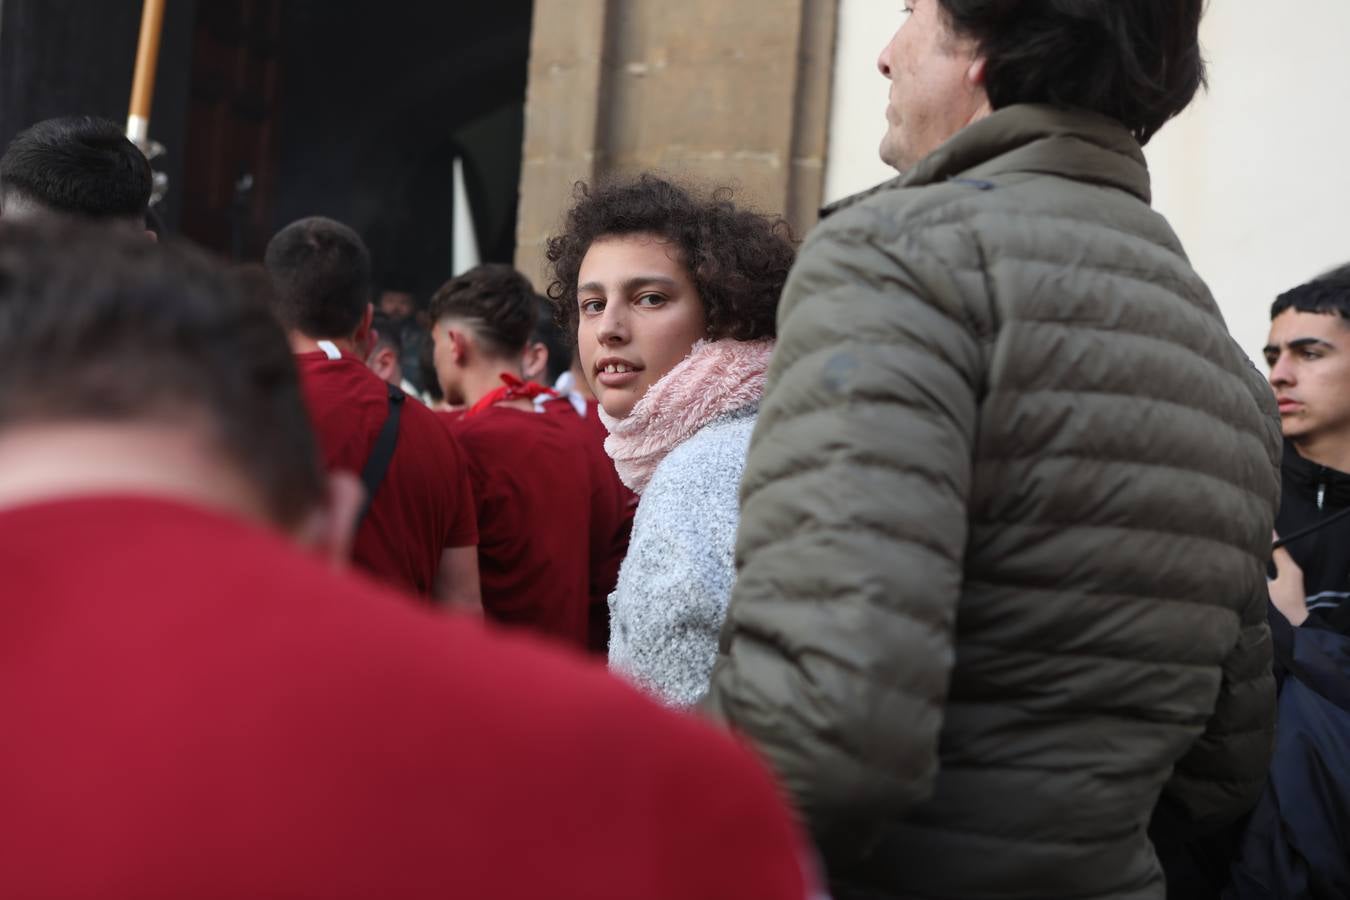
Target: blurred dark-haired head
<point>396,304</point>
<point>386,348</point>
<point>386,332</point>
<point>99,326</point>
<point>76,165</point>
<point>321,273</point>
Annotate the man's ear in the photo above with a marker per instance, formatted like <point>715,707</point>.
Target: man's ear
<point>975,81</point>
<point>975,74</point>
<point>152,235</point>
<point>385,364</point>
<point>459,343</point>
<point>331,530</point>
<point>534,361</point>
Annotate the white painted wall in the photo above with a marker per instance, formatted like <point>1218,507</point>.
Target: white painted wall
<point>858,98</point>
<point>1255,176</point>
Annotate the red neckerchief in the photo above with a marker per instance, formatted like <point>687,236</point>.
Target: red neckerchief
<point>512,389</point>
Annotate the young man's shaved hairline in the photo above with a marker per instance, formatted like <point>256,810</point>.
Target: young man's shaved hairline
<point>477,328</point>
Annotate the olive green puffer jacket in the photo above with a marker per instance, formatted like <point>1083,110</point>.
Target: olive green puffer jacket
<point>1004,526</point>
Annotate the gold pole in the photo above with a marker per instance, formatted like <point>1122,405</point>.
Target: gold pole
<point>143,82</point>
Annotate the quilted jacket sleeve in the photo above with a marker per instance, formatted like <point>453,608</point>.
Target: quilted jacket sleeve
<point>1221,777</point>
<point>838,646</point>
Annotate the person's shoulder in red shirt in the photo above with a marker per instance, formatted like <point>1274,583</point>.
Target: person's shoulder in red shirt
<point>613,506</point>
<point>423,507</point>
<point>532,484</point>
<point>416,533</point>
<point>236,720</point>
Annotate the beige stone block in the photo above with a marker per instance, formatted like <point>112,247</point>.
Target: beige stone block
<point>751,185</point>
<point>561,111</point>
<point>567,34</point>
<point>550,185</point>
<point>546,189</point>
<point>706,91</point>
<point>702,30</point>
<point>711,108</point>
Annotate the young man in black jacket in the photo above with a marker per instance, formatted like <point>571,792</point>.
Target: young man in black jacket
<point>1309,357</point>
<point>1293,843</point>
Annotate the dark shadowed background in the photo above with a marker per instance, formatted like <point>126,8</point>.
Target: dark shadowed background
<point>275,109</point>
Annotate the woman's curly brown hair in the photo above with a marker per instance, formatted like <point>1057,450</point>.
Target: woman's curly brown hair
<point>737,259</point>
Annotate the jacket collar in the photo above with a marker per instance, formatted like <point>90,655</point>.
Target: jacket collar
<point>1305,477</point>
<point>1031,138</point>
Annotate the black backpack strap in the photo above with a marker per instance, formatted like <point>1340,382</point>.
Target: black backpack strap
<point>383,452</point>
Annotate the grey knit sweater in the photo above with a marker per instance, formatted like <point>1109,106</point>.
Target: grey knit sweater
<point>667,610</point>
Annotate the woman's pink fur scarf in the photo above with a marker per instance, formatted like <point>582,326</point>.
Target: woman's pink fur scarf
<point>716,378</point>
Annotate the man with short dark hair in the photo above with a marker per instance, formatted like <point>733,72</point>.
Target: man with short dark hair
<point>396,304</point>
<point>409,323</point>
<point>385,347</point>
<point>548,515</point>
<point>1309,357</point>
<point>1008,507</point>
<point>1294,843</point>
<point>194,706</point>
<point>75,165</point>
<point>419,532</point>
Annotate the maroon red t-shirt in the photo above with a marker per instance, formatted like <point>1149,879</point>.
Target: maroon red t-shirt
<point>612,508</point>
<point>194,708</point>
<point>425,503</point>
<point>532,482</point>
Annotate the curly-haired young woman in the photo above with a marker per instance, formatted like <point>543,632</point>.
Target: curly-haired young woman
<point>673,298</point>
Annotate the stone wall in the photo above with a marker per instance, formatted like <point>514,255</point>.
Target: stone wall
<point>718,93</point>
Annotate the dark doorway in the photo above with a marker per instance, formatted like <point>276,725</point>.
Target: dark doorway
<point>231,147</point>
<point>357,110</point>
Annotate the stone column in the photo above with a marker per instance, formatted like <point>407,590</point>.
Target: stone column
<point>562,112</point>
<point>719,93</point>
